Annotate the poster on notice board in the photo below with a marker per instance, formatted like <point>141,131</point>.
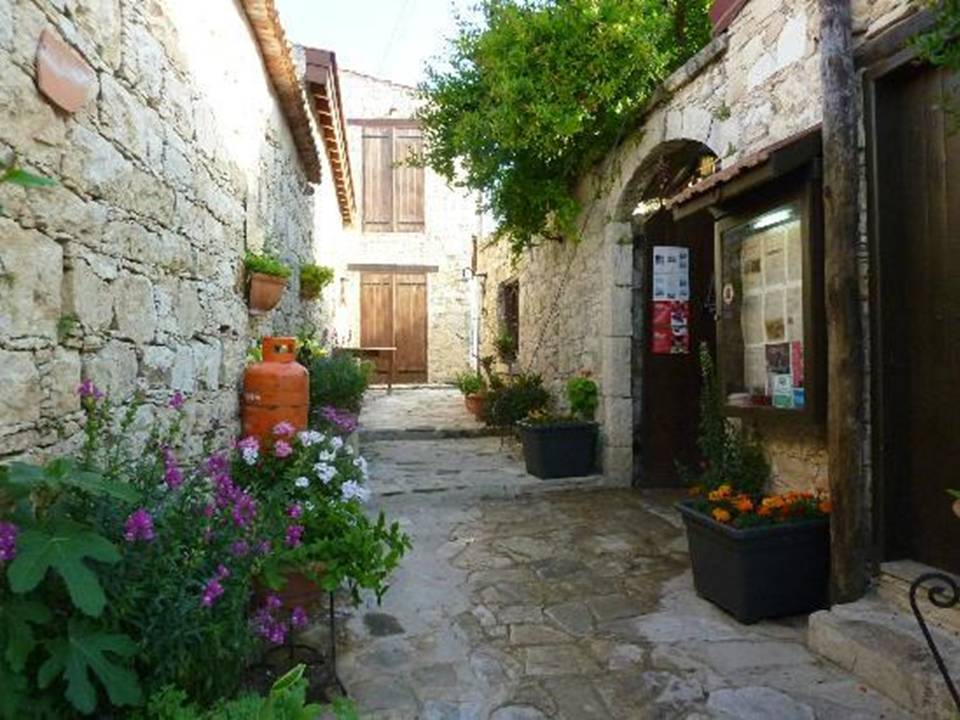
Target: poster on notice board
<point>670,322</point>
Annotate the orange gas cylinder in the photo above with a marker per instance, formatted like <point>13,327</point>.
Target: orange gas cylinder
<point>275,390</point>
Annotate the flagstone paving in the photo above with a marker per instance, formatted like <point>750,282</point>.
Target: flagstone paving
<point>520,604</point>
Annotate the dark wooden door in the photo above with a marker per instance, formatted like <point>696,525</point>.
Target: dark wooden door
<point>917,194</point>
<point>671,383</point>
<point>393,313</point>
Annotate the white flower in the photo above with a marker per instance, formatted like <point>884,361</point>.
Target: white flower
<point>325,472</point>
<point>311,437</point>
<point>326,456</point>
<point>309,506</point>
<point>351,489</point>
<point>250,455</point>
<point>337,442</point>
<point>302,482</point>
<point>348,449</point>
<point>361,463</point>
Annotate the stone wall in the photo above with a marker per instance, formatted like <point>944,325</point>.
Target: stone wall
<point>451,221</point>
<point>753,86</point>
<point>129,271</point>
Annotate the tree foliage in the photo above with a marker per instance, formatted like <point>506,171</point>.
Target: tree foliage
<point>941,45</point>
<point>535,92</point>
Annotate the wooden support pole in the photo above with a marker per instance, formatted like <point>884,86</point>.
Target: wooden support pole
<point>845,363</point>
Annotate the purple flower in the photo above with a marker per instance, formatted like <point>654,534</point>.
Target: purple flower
<point>274,602</point>
<point>284,429</point>
<point>223,572</point>
<point>216,464</point>
<point>211,592</point>
<point>171,472</point>
<point>8,541</point>
<point>240,548</point>
<point>176,400</point>
<point>282,449</point>
<point>248,443</point>
<point>263,547</point>
<point>342,421</point>
<point>295,511</point>
<point>87,389</point>
<point>139,526</point>
<point>294,535</point>
<point>244,509</point>
<point>298,618</point>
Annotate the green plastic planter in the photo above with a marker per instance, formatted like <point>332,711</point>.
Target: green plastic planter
<point>559,450</point>
<point>759,573</point>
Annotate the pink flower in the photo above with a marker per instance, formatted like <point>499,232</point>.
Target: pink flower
<point>87,389</point>
<point>211,592</point>
<point>282,449</point>
<point>171,473</point>
<point>176,400</point>
<point>295,511</point>
<point>8,541</point>
<point>139,526</point>
<point>249,443</point>
<point>284,429</point>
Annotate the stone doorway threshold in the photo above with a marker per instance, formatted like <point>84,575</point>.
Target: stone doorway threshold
<point>878,640</point>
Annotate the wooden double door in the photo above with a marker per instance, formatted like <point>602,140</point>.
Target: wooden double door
<point>393,313</point>
<point>916,211</point>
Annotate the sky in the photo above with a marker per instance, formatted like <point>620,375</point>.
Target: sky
<point>391,39</point>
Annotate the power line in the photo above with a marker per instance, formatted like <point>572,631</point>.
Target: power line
<point>401,14</point>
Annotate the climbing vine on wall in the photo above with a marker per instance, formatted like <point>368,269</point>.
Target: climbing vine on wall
<point>532,93</point>
<point>941,45</point>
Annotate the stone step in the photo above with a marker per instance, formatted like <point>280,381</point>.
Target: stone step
<point>882,645</point>
<point>894,587</point>
<point>426,433</point>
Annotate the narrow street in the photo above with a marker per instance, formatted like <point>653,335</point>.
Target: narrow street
<point>526,599</point>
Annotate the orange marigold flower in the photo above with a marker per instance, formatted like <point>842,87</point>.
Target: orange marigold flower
<point>825,507</point>
<point>721,515</point>
<point>695,490</point>
<point>743,504</point>
<point>721,493</point>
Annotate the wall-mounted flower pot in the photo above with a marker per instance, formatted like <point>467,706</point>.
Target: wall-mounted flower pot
<point>298,591</point>
<point>558,450</point>
<point>265,292</point>
<point>762,572</point>
<point>476,403</point>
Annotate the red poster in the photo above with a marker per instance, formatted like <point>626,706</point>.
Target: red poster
<point>796,363</point>
<point>670,327</point>
<point>662,340</point>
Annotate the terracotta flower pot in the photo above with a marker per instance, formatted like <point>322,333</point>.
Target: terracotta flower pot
<point>475,404</point>
<point>299,591</point>
<point>265,292</point>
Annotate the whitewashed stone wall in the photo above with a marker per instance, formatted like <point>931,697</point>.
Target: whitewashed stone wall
<point>451,221</point>
<point>757,84</point>
<point>129,271</point>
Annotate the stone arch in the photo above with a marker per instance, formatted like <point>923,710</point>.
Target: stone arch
<point>664,171</point>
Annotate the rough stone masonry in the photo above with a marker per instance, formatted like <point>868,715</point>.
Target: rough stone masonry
<point>129,270</point>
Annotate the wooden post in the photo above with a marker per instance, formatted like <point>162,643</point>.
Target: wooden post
<point>841,174</point>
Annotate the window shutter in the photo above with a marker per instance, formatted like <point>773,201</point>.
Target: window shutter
<point>408,181</point>
<point>377,179</point>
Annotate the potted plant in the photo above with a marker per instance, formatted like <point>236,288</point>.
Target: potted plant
<point>755,556</point>
<point>473,386</point>
<point>267,279</point>
<point>313,279</point>
<point>563,446</point>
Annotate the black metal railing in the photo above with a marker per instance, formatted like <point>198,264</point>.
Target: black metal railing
<point>943,594</point>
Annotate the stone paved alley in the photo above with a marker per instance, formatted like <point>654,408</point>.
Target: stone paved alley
<point>522,601</point>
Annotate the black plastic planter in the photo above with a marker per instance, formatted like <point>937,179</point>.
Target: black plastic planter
<point>759,573</point>
<point>559,450</point>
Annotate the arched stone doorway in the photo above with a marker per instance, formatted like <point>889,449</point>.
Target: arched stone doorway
<point>672,309</point>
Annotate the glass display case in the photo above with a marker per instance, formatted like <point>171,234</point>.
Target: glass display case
<point>768,307</point>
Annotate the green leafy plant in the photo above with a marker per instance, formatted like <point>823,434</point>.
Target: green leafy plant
<point>66,324</point>
<point>285,701</point>
<point>338,380</point>
<point>941,44</point>
<point>529,98</point>
<point>506,346</point>
<point>313,279</point>
<point>512,400</point>
<point>309,346</point>
<point>583,395</point>
<point>265,264</point>
<point>470,383</point>
<point>730,457</point>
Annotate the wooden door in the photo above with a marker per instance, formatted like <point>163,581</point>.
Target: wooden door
<point>917,199</point>
<point>670,389</point>
<point>393,313</point>
<point>410,323</point>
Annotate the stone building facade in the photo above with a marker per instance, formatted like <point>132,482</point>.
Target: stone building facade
<point>442,249</point>
<point>188,151</point>
<point>756,84</point>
